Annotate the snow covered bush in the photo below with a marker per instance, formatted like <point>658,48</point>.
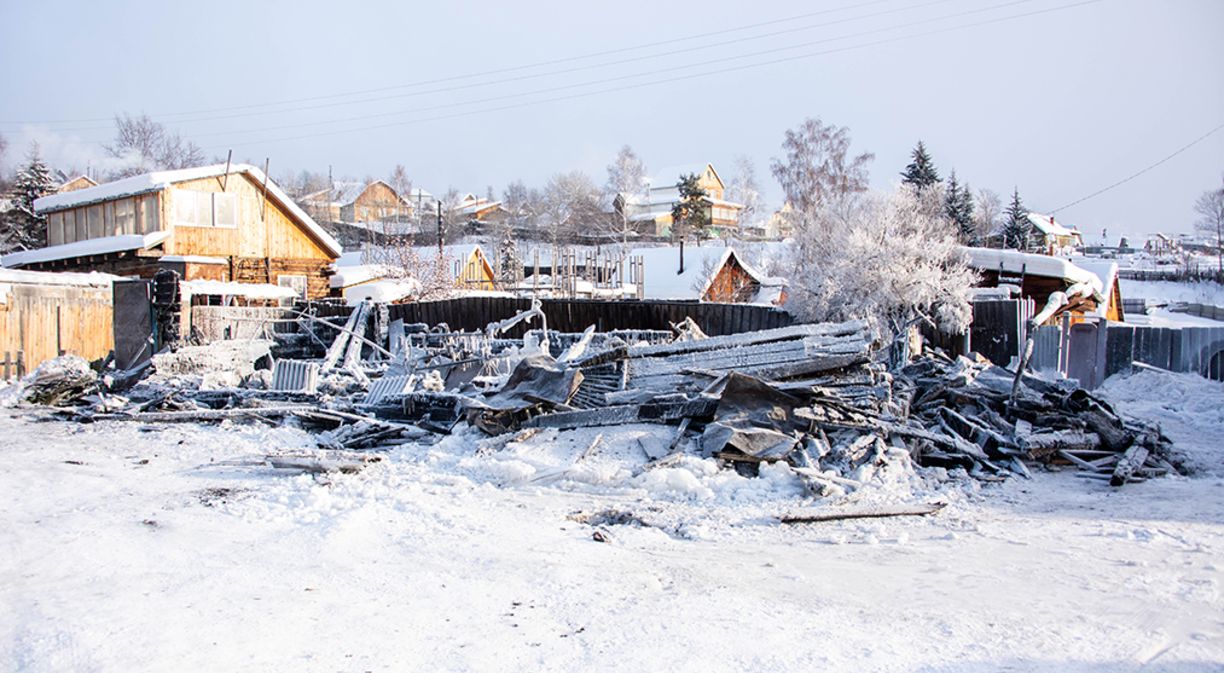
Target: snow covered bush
<point>891,259</point>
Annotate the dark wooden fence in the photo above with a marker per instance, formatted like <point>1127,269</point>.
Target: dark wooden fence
<point>574,315</point>
<point>1200,273</point>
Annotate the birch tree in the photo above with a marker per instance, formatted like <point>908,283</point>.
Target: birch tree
<point>1210,209</point>
<point>816,170</point>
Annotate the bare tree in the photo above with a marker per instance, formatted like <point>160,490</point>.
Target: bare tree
<point>986,216</point>
<point>522,205</point>
<point>570,205</point>
<point>146,146</point>
<point>1210,208</point>
<point>626,180</point>
<point>744,188</point>
<point>816,170</point>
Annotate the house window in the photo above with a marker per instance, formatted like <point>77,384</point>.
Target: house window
<point>97,225</point>
<point>55,229</point>
<point>205,209</point>
<point>79,224</point>
<point>147,222</point>
<point>298,283</point>
<point>125,216</point>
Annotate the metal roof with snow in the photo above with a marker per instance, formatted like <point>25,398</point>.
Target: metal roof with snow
<point>158,181</point>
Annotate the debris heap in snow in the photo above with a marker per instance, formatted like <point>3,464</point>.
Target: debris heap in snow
<point>818,397</point>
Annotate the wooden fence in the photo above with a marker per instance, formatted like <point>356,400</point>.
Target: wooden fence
<point>43,318</point>
<point>574,315</point>
<point>1200,273</point>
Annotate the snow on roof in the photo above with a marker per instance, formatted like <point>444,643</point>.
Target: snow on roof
<point>1014,261</point>
<point>92,278</point>
<point>385,290</point>
<point>92,246</point>
<point>660,270</point>
<point>1048,226</point>
<point>160,180</point>
<point>479,206</point>
<point>349,275</point>
<point>1106,271</point>
<point>235,289</point>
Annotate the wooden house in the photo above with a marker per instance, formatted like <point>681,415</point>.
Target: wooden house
<point>708,273</point>
<point>651,210</point>
<point>224,223</point>
<point>358,202</point>
<point>79,182</point>
<point>1051,236</point>
<point>1091,286</point>
<point>467,266</point>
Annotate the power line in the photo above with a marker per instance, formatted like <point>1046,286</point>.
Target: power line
<point>605,64</point>
<point>666,80</point>
<point>606,80</point>
<point>498,71</point>
<point>1141,172</point>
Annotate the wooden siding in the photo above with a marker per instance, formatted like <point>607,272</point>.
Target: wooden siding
<point>732,284</point>
<point>275,235</point>
<point>377,202</point>
<point>41,320</point>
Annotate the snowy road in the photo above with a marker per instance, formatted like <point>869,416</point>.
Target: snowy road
<point>123,551</point>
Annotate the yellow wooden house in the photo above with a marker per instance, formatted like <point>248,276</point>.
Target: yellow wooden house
<point>221,222</point>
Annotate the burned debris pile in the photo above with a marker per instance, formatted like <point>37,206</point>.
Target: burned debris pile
<point>821,398</point>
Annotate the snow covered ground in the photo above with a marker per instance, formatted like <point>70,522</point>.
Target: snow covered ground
<point>132,547</point>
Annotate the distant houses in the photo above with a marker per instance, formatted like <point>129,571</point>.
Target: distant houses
<point>650,211</point>
<point>220,223</point>
<point>1051,236</point>
<point>73,184</point>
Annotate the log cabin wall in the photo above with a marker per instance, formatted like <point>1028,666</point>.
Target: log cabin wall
<point>260,249</point>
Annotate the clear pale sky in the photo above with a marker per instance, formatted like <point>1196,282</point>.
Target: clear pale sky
<point>1059,104</point>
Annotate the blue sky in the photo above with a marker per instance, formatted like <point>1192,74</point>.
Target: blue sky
<point>1057,103</point>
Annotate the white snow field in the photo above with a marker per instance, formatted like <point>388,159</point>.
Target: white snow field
<point>130,547</point>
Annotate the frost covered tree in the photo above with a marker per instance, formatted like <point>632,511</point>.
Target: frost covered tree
<point>1210,209</point>
<point>744,188</point>
<point>1017,230</point>
<point>988,206</point>
<point>816,170</point>
<point>23,228</point>
<point>522,205</point>
<point>570,207</point>
<point>627,179</point>
<point>958,206</point>
<point>892,259</point>
<point>690,214</point>
<point>145,145</point>
<point>921,171</point>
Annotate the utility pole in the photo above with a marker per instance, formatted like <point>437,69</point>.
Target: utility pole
<point>439,228</point>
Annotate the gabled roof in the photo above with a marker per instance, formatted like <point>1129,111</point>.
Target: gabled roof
<point>670,175</point>
<point>1046,225</point>
<point>160,180</point>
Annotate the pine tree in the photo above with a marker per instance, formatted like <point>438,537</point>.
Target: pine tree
<point>24,229</point>
<point>921,171</point>
<point>689,214</point>
<point>958,206</point>
<point>1017,230</point>
<point>967,223</point>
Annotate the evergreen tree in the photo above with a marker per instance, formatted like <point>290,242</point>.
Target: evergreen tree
<point>23,228</point>
<point>689,214</point>
<point>967,223</point>
<point>921,171</point>
<point>1017,230</point>
<point>509,266</point>
<point>958,206</point>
